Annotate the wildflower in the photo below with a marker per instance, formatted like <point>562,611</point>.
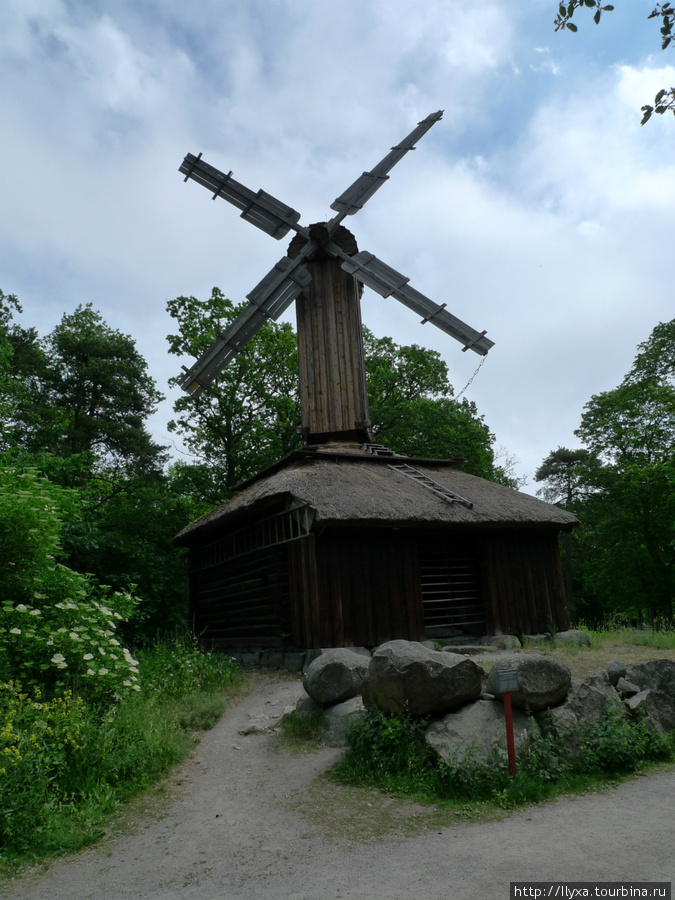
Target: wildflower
<point>75,636</point>
<point>59,661</point>
<point>102,671</point>
<point>22,608</point>
<point>88,656</point>
<point>90,672</point>
<point>35,612</point>
<point>15,631</point>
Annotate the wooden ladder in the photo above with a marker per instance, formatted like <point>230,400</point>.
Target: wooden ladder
<point>439,489</point>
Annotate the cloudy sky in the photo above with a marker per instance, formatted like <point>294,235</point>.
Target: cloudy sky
<point>537,209</point>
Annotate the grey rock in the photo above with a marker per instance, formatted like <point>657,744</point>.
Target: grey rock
<point>587,704</point>
<point>573,638</point>
<point>626,688</point>
<point>644,707</point>
<point>657,676</point>
<point>339,718</point>
<point>336,676</point>
<point>615,670</point>
<point>542,681</point>
<point>404,676</point>
<point>310,656</point>
<point>259,724</point>
<point>248,660</point>
<point>502,641</point>
<point>272,659</point>
<point>306,708</point>
<point>294,661</point>
<point>479,727</point>
<point>468,649</point>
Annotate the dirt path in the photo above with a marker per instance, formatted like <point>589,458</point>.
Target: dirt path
<point>247,820</point>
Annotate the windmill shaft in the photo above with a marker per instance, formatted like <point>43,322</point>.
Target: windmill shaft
<point>333,394</point>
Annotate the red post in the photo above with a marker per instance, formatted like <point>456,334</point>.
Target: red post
<point>510,746</point>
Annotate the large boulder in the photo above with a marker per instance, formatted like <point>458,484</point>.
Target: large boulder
<point>586,706</point>
<point>658,677</point>
<point>338,720</point>
<point>404,676</point>
<point>479,727</point>
<point>336,676</point>
<point>542,681</point>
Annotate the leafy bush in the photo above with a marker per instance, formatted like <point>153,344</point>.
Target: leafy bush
<point>57,627</point>
<point>66,762</point>
<point>39,745</point>
<point>617,744</point>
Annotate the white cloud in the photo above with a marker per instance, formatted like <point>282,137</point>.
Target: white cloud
<point>536,209</point>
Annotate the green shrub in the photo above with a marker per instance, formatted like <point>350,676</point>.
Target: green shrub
<point>40,743</point>
<point>57,627</point>
<point>617,744</point>
<point>67,762</point>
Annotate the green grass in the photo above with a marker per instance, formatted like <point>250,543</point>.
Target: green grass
<point>66,766</point>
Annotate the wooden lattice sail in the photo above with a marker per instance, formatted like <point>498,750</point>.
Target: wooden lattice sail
<point>324,271</point>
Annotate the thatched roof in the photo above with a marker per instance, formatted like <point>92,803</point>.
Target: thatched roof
<point>357,488</point>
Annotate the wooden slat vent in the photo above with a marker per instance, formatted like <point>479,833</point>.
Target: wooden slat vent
<point>451,587</point>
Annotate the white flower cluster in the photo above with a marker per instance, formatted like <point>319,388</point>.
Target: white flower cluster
<point>76,637</point>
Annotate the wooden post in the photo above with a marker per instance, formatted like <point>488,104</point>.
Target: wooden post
<point>330,349</point>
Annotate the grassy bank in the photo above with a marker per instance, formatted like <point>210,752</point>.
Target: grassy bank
<point>67,764</point>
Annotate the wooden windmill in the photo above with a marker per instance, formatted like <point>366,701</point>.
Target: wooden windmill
<point>324,271</point>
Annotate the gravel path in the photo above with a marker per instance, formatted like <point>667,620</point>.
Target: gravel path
<point>248,820</point>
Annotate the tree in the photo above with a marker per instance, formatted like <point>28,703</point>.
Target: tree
<point>624,488</point>
<point>73,407</point>
<point>565,475</point>
<point>665,98</point>
<point>412,409</point>
<point>250,416</point>
<point>85,394</point>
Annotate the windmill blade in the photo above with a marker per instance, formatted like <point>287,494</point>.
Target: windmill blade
<point>386,281</point>
<point>353,199</point>
<point>261,209</point>
<point>277,290</point>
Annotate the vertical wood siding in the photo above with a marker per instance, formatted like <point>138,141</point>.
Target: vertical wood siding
<point>330,352</point>
<point>523,582</point>
<point>368,582</point>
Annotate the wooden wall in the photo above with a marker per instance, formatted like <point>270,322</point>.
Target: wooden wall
<point>244,602</point>
<point>369,587</point>
<point>523,586</point>
<point>362,586</point>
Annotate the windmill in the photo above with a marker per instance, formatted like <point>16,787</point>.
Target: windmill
<point>323,271</point>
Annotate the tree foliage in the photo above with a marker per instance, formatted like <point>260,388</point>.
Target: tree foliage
<point>250,416</point>
<point>622,486</point>
<point>413,410</point>
<point>73,407</point>
<point>665,98</point>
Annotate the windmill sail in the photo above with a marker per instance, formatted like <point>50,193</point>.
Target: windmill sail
<point>387,282</point>
<point>354,198</point>
<point>271,296</point>
<point>261,209</point>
